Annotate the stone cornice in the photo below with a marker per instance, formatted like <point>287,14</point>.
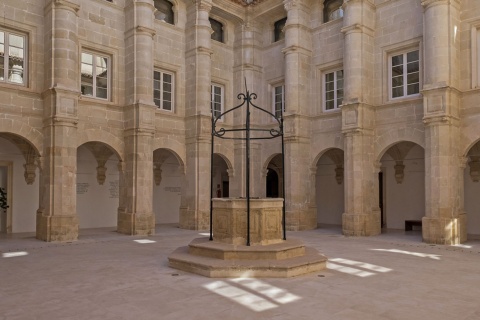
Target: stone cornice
<point>202,5</point>
<point>440,119</point>
<point>357,28</point>
<point>198,50</point>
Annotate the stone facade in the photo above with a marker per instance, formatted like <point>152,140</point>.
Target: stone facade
<point>48,113</point>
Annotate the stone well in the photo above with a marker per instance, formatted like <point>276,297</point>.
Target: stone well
<point>228,255</point>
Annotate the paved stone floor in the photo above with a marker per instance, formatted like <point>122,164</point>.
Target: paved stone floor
<point>105,275</point>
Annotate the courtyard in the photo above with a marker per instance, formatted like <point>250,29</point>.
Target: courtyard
<point>106,275</point>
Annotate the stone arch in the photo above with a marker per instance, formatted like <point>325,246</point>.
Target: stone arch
<point>269,159</point>
<point>181,163</point>
<point>95,135</point>
<point>386,147</point>
<point>177,148</point>
<point>388,138</point>
<point>321,154</point>
<point>225,152</point>
<point>23,130</point>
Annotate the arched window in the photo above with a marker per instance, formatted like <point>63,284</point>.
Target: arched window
<point>164,10</point>
<point>332,10</point>
<point>278,33</point>
<point>217,27</point>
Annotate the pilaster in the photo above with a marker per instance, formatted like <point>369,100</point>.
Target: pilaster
<point>445,219</point>
<point>194,213</point>
<point>300,214</point>
<point>56,216</point>
<point>362,213</point>
<point>135,214</point>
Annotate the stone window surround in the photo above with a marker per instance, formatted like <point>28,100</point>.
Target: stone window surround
<point>6,74</point>
<point>222,97</point>
<point>172,74</point>
<point>330,7</point>
<point>324,89</point>
<point>109,73</point>
<point>395,49</point>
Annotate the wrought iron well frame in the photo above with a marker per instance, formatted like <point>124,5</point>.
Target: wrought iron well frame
<point>273,133</point>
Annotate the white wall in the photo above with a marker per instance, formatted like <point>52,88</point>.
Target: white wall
<point>96,204</point>
<point>167,195</point>
<point>472,203</point>
<point>24,197</point>
<point>329,194</point>
<point>404,201</point>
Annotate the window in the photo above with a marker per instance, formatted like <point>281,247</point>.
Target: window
<point>12,57</point>
<point>278,33</point>
<point>332,10</point>
<point>217,27</point>
<point>163,90</point>
<point>95,75</point>
<point>404,74</point>
<point>217,100</point>
<point>333,90</point>
<point>164,10</point>
<point>278,100</point>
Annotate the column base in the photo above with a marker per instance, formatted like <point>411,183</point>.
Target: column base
<point>448,231</point>
<point>57,228</point>
<point>361,225</point>
<point>192,220</point>
<point>301,220</point>
<point>136,223</point>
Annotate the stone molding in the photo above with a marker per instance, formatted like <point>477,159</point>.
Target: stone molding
<point>426,4</point>
<point>297,49</point>
<point>358,28</point>
<point>66,4</point>
<point>142,30</point>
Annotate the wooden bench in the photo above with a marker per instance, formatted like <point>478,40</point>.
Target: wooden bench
<point>410,223</point>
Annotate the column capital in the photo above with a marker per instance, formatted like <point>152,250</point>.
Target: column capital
<point>202,5</point>
<point>430,3</point>
<point>66,4</point>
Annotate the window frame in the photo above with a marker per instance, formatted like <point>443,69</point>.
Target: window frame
<point>172,92</point>
<point>94,74</point>
<point>6,48</point>
<point>274,99</point>
<point>222,99</point>
<point>404,54</point>
<point>336,106</point>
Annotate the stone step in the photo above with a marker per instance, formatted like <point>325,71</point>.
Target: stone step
<point>289,248</point>
<point>311,261</point>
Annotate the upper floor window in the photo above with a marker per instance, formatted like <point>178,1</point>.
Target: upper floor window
<point>404,74</point>
<point>95,75</point>
<point>278,33</point>
<point>332,10</point>
<point>163,90</point>
<point>333,90</point>
<point>12,57</point>
<point>278,100</point>
<point>217,99</point>
<point>164,10</point>
<point>217,27</point>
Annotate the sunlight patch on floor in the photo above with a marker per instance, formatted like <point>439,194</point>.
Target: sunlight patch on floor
<point>14,254</point>
<point>143,241</point>
<point>252,293</point>
<point>355,268</point>
<point>411,253</point>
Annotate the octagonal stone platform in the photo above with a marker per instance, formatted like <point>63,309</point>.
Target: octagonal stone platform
<point>227,256</point>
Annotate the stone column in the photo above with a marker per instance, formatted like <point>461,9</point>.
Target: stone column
<point>136,216</point>
<point>362,213</point>
<point>445,221</point>
<point>300,213</point>
<point>56,217</point>
<point>194,214</point>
